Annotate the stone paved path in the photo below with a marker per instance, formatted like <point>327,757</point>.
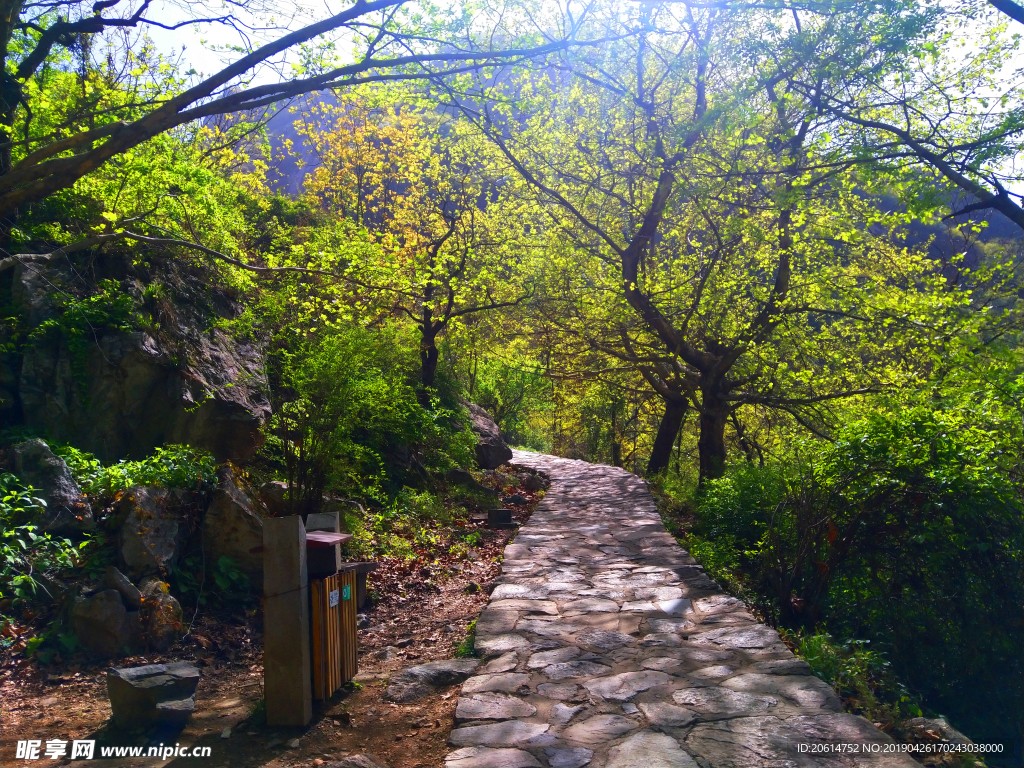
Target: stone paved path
<point>606,645</point>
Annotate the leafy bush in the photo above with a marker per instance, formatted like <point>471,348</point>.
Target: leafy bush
<point>226,583</point>
<point>720,558</point>
<point>741,504</point>
<point>173,466</point>
<point>25,552</point>
<point>862,676</point>
<point>349,420</point>
<point>906,531</point>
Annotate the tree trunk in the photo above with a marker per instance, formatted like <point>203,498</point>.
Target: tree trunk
<point>711,444</point>
<point>428,363</point>
<point>671,421</point>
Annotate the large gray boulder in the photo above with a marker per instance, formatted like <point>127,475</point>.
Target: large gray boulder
<point>102,623</point>
<point>152,694</point>
<point>152,533</point>
<point>233,525</point>
<point>491,451</point>
<point>66,508</point>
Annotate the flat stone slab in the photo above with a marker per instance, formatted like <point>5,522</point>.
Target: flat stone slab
<point>572,669</point>
<point>625,686</point>
<point>556,656</point>
<point>492,706</point>
<point>485,757</point>
<point>722,701</point>
<point>509,733</point>
<point>599,728</point>
<point>568,758</point>
<point>647,749</point>
<point>605,645</point>
<point>508,683</point>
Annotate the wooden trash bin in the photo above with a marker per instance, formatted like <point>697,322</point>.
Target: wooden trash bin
<point>335,659</point>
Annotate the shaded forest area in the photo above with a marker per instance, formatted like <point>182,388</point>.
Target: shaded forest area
<point>767,255</point>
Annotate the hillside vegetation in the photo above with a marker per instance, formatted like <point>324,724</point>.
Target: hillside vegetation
<point>767,255</point>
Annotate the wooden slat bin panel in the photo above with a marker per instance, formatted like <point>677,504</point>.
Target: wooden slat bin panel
<point>335,652</point>
<point>349,647</point>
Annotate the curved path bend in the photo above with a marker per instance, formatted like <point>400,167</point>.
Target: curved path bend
<point>606,645</point>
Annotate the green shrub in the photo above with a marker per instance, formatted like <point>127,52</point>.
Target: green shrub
<point>720,558</point>
<point>906,531</point>
<point>225,584</point>
<point>862,676</point>
<point>740,505</point>
<point>466,648</point>
<point>25,551</point>
<point>348,419</point>
<point>173,466</point>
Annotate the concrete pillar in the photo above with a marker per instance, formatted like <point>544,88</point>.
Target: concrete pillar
<point>286,664</point>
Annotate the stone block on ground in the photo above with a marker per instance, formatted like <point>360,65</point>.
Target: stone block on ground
<point>492,706</point>
<point>507,733</point>
<point>152,694</point>
<point>487,757</point>
<point>646,749</point>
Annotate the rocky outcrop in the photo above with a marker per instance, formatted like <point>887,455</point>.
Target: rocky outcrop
<point>121,617</point>
<point>152,694</point>
<point>127,392</point>
<point>152,532</point>
<point>66,508</point>
<point>130,594</point>
<point>233,525</point>
<point>491,451</point>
